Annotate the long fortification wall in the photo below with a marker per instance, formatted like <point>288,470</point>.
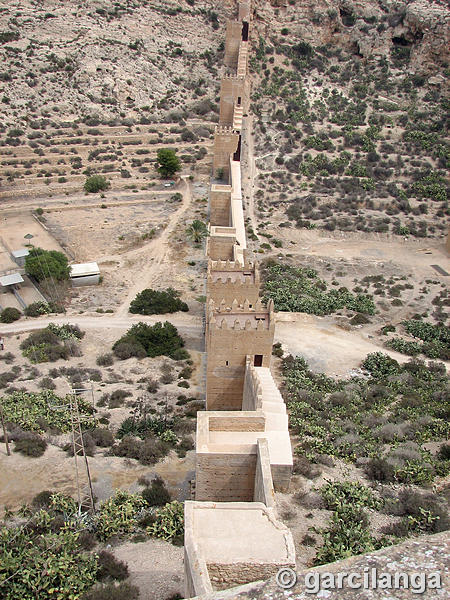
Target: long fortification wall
<point>243,450</point>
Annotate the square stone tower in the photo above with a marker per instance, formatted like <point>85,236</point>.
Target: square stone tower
<point>233,332</point>
<point>226,143</point>
<point>233,97</point>
<point>229,280</point>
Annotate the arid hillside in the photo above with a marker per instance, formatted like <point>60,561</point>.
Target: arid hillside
<point>98,87</point>
<point>350,102</point>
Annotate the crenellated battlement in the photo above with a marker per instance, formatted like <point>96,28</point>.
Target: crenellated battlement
<point>224,130</point>
<point>223,308</point>
<point>241,316</point>
<point>234,77</point>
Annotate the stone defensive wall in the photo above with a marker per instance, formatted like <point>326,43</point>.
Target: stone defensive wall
<point>243,451</point>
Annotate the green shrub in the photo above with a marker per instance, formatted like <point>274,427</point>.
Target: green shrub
<point>105,360</point>
<point>52,343</point>
<point>405,347</point>
<point>96,183</point>
<point>37,309</point>
<point>10,314</point>
<point>57,553</point>
<point>127,348</point>
<point>300,290</point>
<point>118,515</point>
<point>154,302</point>
<point>157,494</point>
<point>380,365</point>
<point>169,522</point>
<point>35,412</point>
<point>338,493</point>
<point>346,535</point>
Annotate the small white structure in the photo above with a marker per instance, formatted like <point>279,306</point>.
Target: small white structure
<point>85,274</point>
<point>10,281</point>
<point>20,255</point>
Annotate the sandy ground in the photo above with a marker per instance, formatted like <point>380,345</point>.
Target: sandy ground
<point>326,347</point>
<point>155,566</point>
<point>13,228</point>
<point>24,477</point>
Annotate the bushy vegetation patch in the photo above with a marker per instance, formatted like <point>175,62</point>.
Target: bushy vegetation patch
<point>10,314</point>
<point>154,302</point>
<point>342,165</point>
<point>160,425</point>
<point>386,417</point>
<point>151,340</point>
<point>37,309</point>
<point>169,522</point>
<point>52,343</point>
<point>32,445</point>
<point>118,515</point>
<point>297,289</point>
<point>156,494</point>
<point>348,532</point>
<point>44,559</point>
<point>435,340</point>
<point>36,411</point>
<point>47,264</point>
<point>96,183</point>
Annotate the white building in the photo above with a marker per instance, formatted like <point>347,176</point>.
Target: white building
<point>85,274</point>
<point>20,255</point>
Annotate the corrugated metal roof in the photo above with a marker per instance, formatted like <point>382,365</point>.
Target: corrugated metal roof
<point>11,279</point>
<point>84,269</point>
<point>20,253</point>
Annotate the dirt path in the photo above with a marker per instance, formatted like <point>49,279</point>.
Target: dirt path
<point>157,250</point>
<point>155,566</point>
<point>190,327</point>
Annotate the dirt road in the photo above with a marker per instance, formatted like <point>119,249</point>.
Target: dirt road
<point>190,327</point>
<point>157,252</point>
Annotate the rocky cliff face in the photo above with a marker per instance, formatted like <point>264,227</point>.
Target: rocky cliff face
<point>421,27</point>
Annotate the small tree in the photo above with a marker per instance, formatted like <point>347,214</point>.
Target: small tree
<point>157,340</point>
<point>168,162</point>
<point>197,231</point>
<point>96,183</point>
<point>47,264</point>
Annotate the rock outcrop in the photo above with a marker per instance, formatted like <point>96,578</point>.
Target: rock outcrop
<point>369,28</point>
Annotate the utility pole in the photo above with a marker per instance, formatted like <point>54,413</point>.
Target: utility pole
<point>85,496</point>
<point>5,433</point>
<point>85,499</point>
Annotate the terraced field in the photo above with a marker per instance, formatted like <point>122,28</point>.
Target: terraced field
<point>56,159</point>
